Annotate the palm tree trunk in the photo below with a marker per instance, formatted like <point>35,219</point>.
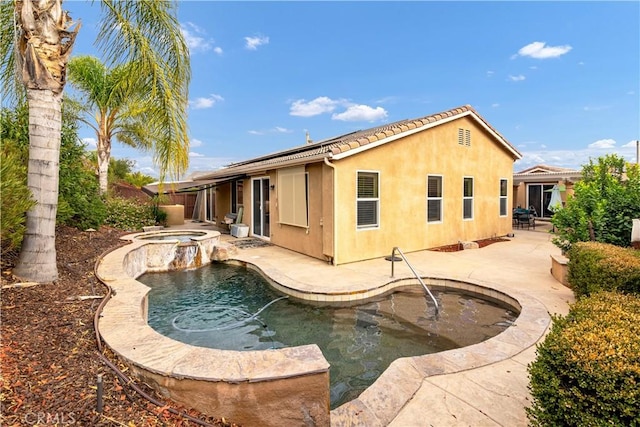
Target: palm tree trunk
<point>104,154</point>
<point>37,260</point>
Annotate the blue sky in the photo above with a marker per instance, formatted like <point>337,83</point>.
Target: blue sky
<point>559,80</point>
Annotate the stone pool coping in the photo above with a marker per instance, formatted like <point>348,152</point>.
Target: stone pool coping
<point>378,405</point>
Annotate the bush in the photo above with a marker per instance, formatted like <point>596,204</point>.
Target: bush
<point>79,201</point>
<point>15,198</point>
<point>599,266</point>
<point>587,372</point>
<point>129,214</point>
<point>603,206</point>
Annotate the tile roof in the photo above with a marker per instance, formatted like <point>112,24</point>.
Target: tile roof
<point>342,144</point>
<point>545,169</point>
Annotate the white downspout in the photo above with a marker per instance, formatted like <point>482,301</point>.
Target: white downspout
<point>333,210</point>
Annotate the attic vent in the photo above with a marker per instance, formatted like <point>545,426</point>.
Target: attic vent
<point>464,137</point>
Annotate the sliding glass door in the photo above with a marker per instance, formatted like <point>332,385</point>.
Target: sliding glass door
<point>260,207</point>
<point>538,197</point>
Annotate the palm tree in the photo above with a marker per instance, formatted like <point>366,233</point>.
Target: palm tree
<point>37,37</point>
<point>116,105</point>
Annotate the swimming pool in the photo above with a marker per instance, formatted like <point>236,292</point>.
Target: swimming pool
<point>230,307</point>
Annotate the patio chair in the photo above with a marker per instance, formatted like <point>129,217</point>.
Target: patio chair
<point>527,220</point>
<point>233,218</point>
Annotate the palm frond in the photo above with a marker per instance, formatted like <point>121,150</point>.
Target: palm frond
<point>147,33</point>
<point>12,88</point>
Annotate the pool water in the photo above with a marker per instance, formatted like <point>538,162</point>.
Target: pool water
<point>233,308</point>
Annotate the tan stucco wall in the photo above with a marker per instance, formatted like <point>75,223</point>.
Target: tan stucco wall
<point>304,240</point>
<point>277,402</point>
<point>403,166</point>
<point>223,201</point>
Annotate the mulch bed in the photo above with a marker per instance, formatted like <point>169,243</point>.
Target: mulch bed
<point>49,352</point>
<point>458,247</point>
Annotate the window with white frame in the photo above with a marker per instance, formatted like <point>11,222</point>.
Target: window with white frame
<point>503,197</point>
<point>368,199</point>
<point>467,198</point>
<point>293,196</point>
<point>434,198</point>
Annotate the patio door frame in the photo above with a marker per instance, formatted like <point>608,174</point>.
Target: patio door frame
<point>260,209</point>
<point>540,198</point>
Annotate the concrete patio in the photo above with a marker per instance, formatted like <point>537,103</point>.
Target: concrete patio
<point>493,394</point>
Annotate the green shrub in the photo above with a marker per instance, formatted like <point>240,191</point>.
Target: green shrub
<point>600,266</point>
<point>79,201</point>
<point>129,214</point>
<point>604,203</point>
<point>15,198</point>
<point>587,372</point>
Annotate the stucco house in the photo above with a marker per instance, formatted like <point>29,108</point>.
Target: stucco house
<point>415,184</point>
<point>533,187</point>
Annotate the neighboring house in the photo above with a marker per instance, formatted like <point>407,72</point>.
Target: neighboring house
<point>534,186</point>
<point>415,184</point>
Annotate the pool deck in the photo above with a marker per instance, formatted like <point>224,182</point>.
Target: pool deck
<point>494,394</point>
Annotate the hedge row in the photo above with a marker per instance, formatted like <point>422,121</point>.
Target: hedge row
<point>600,266</point>
<point>129,214</point>
<point>587,372</point>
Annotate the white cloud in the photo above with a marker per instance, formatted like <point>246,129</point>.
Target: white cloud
<point>540,50</point>
<point>490,73</point>
<point>495,105</point>
<point>195,143</point>
<point>90,142</point>
<point>194,154</point>
<point>575,158</point>
<point>315,107</point>
<point>355,113</point>
<point>630,144</point>
<point>201,103</point>
<point>279,129</point>
<point>218,50</point>
<point>252,43</point>
<point>276,129</point>
<point>603,143</point>
<point>517,78</point>
<point>323,104</point>
<point>195,42</point>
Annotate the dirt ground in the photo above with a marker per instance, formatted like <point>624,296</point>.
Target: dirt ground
<point>49,353</point>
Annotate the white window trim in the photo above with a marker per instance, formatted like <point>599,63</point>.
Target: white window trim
<point>505,197</point>
<point>368,227</point>
<point>441,198</point>
<point>473,192</point>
